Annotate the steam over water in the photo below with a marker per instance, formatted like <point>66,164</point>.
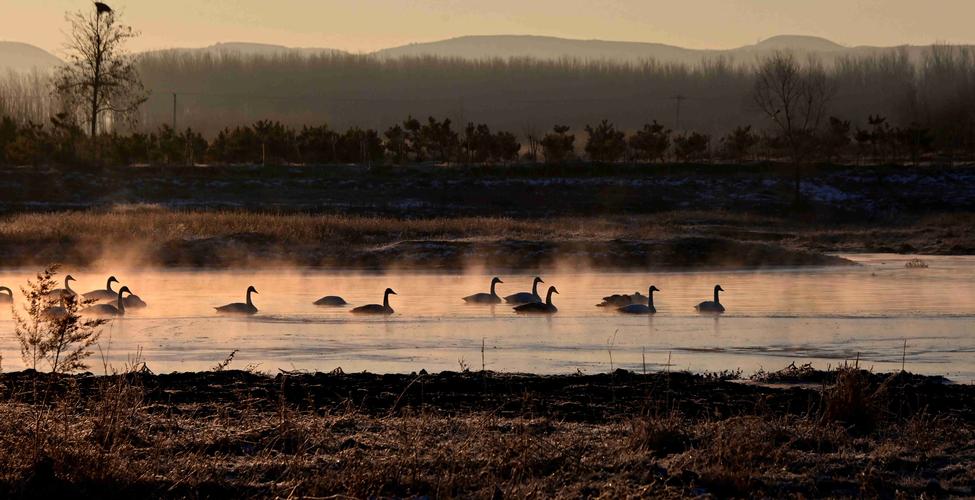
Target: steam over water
<point>822,316</point>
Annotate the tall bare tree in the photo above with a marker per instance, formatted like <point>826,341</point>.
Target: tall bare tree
<point>795,97</point>
<point>99,75</point>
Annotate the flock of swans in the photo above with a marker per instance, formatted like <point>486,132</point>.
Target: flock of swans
<point>522,302</point>
<point>108,302</point>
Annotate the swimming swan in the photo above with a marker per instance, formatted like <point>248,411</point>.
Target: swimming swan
<point>376,308</point>
<point>641,308</point>
<point>105,294</point>
<point>486,298</point>
<point>539,307</point>
<point>240,308</point>
<point>108,310</point>
<point>133,301</point>
<point>331,300</point>
<point>6,298</point>
<point>621,300</point>
<point>63,292</point>
<point>711,306</point>
<point>526,297</point>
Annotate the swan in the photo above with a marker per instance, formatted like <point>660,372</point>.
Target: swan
<point>539,307</point>
<point>711,306</point>
<point>331,300</point>
<point>63,292</point>
<point>526,297</point>
<point>376,308</point>
<point>105,294</point>
<point>108,310</point>
<point>642,308</point>
<point>133,301</point>
<point>622,300</point>
<point>486,298</point>
<point>6,298</point>
<point>54,313</point>
<point>240,308</point>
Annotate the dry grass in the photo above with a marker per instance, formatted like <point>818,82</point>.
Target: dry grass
<point>146,235</point>
<point>110,440</point>
<point>150,223</point>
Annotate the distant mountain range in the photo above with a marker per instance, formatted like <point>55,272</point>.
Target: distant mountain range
<point>16,56</point>
<point>20,56</point>
<point>543,47</point>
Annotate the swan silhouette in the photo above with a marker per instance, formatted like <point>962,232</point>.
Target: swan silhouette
<point>377,308</point>
<point>238,307</point>
<point>6,298</point>
<point>539,307</point>
<point>711,306</point>
<point>647,308</point>
<point>108,310</point>
<point>331,300</point>
<point>526,297</point>
<point>486,298</point>
<point>621,300</point>
<point>63,292</point>
<point>103,294</point>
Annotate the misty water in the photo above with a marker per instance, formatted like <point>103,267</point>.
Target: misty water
<point>823,316</point>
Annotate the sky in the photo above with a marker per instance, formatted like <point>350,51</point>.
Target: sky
<point>367,25</point>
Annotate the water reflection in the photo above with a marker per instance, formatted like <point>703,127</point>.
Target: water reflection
<point>773,317</point>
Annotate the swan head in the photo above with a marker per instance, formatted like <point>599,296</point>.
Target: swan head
<point>654,289</point>
<point>124,289</point>
<point>389,291</point>
<point>113,279</point>
<point>251,289</point>
<point>69,278</point>
<point>717,288</point>
<point>5,289</point>
<point>552,289</point>
<point>496,280</point>
<point>537,280</point>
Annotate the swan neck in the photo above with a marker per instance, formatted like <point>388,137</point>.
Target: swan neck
<point>386,300</point>
<point>650,299</point>
<point>716,297</point>
<point>108,286</point>
<point>493,285</point>
<point>121,303</point>
<point>548,298</point>
<point>249,292</point>
<point>535,288</point>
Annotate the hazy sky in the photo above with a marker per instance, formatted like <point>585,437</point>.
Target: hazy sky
<point>365,25</point>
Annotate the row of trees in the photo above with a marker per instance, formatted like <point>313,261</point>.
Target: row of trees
<point>61,141</point>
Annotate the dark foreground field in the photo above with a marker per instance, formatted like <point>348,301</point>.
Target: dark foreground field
<point>233,434</point>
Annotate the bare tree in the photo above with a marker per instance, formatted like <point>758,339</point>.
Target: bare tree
<point>100,75</point>
<point>795,97</point>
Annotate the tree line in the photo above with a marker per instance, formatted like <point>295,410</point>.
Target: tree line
<point>440,141</point>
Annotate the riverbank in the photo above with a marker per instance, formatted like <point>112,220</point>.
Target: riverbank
<point>486,435</point>
<point>149,236</point>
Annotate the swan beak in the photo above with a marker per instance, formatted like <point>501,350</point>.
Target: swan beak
<point>394,293</point>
